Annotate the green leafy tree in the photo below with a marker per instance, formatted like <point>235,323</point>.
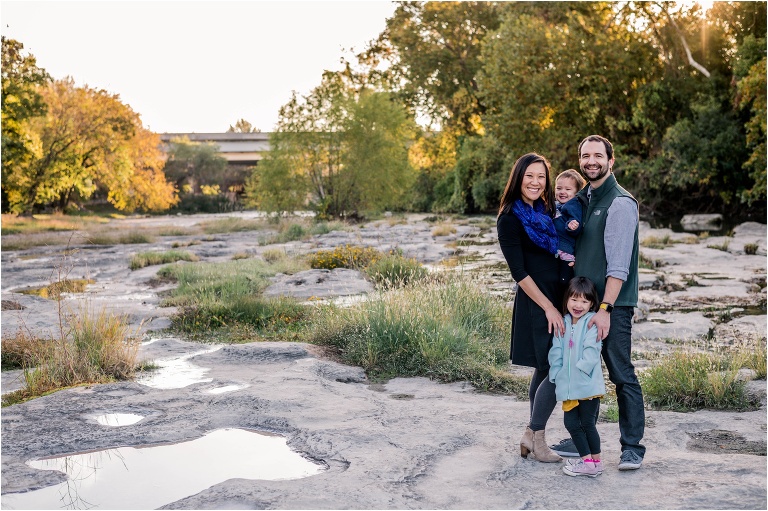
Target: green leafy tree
<point>193,165</point>
<point>433,49</point>
<point>21,102</point>
<point>243,126</point>
<point>751,91</point>
<point>556,72</point>
<point>345,150</point>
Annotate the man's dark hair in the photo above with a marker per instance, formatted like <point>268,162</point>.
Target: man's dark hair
<point>598,138</point>
<point>581,286</point>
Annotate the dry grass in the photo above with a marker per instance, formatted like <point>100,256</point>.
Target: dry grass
<point>443,230</point>
<point>93,347</point>
<point>14,224</point>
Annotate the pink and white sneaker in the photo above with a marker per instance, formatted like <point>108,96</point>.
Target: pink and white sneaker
<point>598,464</point>
<point>581,468</point>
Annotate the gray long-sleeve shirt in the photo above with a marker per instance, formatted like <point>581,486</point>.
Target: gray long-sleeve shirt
<point>620,224</point>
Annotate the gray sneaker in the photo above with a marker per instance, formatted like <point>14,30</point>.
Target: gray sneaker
<point>565,448</point>
<point>630,461</point>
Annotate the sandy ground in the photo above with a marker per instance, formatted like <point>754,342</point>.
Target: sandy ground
<point>407,444</point>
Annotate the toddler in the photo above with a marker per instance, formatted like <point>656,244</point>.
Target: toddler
<point>567,220</point>
<point>574,368</point>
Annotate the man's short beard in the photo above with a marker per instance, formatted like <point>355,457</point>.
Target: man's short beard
<point>604,172</point>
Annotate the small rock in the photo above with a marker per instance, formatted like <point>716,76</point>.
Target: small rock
<point>701,222</point>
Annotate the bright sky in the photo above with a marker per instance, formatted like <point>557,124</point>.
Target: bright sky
<point>195,66</point>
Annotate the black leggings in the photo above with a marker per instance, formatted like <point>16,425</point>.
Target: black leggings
<point>581,424</point>
<point>541,395</point>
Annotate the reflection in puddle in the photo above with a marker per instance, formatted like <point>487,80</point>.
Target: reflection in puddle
<point>118,419</point>
<point>150,477</point>
<point>226,388</point>
<point>177,372</point>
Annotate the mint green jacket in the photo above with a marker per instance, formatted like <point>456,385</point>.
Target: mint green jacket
<point>574,367</point>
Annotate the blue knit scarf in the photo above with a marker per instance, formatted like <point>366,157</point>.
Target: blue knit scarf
<point>537,223</point>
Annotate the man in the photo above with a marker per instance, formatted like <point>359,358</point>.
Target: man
<point>607,253</point>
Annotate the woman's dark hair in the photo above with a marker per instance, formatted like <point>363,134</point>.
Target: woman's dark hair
<point>512,191</point>
<point>581,286</point>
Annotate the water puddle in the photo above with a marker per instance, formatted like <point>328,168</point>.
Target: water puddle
<point>151,477</point>
<point>177,372</point>
<point>226,388</point>
<point>116,420</point>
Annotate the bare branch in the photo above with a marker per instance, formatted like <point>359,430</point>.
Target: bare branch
<point>692,62</point>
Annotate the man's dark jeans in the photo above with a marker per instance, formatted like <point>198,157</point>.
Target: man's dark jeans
<point>617,354</point>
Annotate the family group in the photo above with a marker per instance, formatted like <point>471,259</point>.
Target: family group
<point>572,248</point>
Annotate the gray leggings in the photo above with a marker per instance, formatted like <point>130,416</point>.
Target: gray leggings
<point>541,395</point>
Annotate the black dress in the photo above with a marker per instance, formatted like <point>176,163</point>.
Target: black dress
<point>530,339</point>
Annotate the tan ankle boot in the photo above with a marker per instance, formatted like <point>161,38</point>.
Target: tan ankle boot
<point>526,443</point>
<point>541,451</point>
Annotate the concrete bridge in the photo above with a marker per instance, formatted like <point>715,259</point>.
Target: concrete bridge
<point>237,148</point>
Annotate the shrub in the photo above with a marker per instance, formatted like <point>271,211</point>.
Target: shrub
<point>324,227</point>
<point>395,271</point>
<point>54,290</point>
<point>20,350</point>
<point>446,331</point>
<point>274,255</point>
<point>128,238</point>
<point>723,246</point>
<point>232,224</point>
<point>750,248</point>
<point>443,230</point>
<point>688,381</point>
<point>270,314</point>
<point>95,348</point>
<point>346,256</point>
<point>216,295</point>
<point>754,356</point>
<point>143,259</point>
<point>654,242</point>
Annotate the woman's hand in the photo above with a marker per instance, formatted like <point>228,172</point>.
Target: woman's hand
<point>554,320</point>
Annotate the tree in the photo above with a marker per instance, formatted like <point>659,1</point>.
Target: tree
<point>243,126</point>
<point>90,142</point>
<point>192,165</point>
<point>434,53</point>
<point>555,72</point>
<point>344,149</point>
<point>21,102</point>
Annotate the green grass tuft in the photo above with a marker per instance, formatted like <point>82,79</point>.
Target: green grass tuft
<point>143,259</point>
<point>446,331</point>
<point>686,380</point>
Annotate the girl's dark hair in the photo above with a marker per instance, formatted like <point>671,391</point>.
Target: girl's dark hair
<point>581,286</point>
<point>514,184</point>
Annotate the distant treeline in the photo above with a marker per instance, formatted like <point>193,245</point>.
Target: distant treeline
<point>680,91</point>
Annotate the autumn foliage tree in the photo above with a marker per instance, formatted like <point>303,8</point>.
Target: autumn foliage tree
<point>64,144</point>
<point>90,143</point>
<point>21,102</point>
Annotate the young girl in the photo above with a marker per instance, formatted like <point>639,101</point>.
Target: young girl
<point>574,361</point>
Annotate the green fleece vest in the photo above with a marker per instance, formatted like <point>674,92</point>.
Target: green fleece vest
<point>590,246</point>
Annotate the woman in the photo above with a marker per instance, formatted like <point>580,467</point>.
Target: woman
<point>529,243</point>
